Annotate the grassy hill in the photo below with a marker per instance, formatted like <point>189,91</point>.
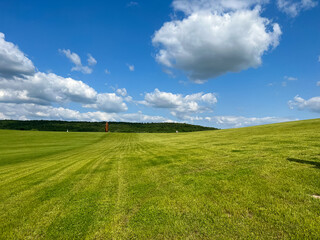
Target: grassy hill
<point>248,183</point>
<point>63,126</point>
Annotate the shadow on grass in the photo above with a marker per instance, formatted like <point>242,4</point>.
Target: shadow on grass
<point>315,164</point>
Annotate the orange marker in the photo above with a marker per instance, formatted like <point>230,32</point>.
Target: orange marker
<point>107,127</point>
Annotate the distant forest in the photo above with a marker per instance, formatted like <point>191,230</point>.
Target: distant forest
<point>124,127</point>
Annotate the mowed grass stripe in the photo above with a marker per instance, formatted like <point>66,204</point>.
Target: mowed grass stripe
<point>244,183</point>
<point>60,182</point>
<point>29,173</point>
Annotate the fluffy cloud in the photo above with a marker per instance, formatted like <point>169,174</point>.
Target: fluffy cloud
<point>240,121</point>
<point>108,102</point>
<point>207,43</point>
<point>313,104</point>
<point>13,62</point>
<point>74,58</point>
<point>180,106</point>
<point>293,8</point>
<point>33,111</point>
<point>43,88</point>
<point>46,89</point>
<point>122,92</point>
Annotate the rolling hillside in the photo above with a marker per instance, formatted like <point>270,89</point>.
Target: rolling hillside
<point>249,183</point>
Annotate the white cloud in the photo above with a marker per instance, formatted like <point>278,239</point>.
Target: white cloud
<point>180,106</point>
<point>46,88</point>
<point>122,92</point>
<point>206,43</point>
<point>91,60</point>
<point>2,116</point>
<point>131,67</point>
<point>74,58</point>
<point>293,8</point>
<point>13,62</point>
<point>139,117</point>
<point>219,6</point>
<point>33,111</point>
<point>18,96</point>
<point>313,104</point>
<point>132,4</point>
<point>290,78</point>
<point>107,71</point>
<point>108,102</point>
<point>240,121</point>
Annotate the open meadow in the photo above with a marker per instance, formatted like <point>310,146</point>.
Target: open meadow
<point>248,183</point>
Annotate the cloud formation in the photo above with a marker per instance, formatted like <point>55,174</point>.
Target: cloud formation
<point>76,60</point>
<point>132,4</point>
<point>43,88</point>
<point>180,106</point>
<point>29,111</point>
<point>122,92</point>
<point>293,8</point>
<point>290,78</point>
<point>46,89</point>
<point>108,102</point>
<point>91,60</point>
<point>20,84</point>
<point>312,104</point>
<point>240,121</point>
<point>13,62</point>
<point>218,6</point>
<point>209,42</point>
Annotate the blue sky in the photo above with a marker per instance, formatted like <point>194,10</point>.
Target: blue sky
<point>230,63</point>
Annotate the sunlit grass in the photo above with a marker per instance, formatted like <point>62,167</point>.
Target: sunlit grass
<point>244,183</point>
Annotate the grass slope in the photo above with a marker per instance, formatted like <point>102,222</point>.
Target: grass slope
<point>63,126</point>
<point>249,183</point>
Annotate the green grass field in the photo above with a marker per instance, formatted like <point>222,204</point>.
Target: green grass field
<point>249,183</point>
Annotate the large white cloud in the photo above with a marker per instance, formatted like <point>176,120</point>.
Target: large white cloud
<point>312,104</point>
<point>240,121</point>
<point>207,43</point>
<point>180,106</point>
<point>293,8</point>
<point>45,89</point>
<point>13,62</point>
<point>20,85</point>
<point>49,88</point>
